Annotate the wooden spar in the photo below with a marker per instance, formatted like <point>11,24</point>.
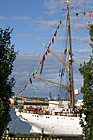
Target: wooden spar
<point>70,60</point>
<point>38,101</point>
<point>55,55</point>
<point>48,81</point>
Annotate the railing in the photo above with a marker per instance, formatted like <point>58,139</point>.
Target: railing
<point>14,138</point>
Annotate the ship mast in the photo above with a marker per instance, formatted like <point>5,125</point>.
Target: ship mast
<point>71,92</point>
<point>70,59</point>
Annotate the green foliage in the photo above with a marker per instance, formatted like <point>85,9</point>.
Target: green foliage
<point>87,71</point>
<point>7,57</point>
<point>90,27</point>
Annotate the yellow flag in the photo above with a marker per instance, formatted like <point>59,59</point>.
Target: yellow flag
<point>61,22</point>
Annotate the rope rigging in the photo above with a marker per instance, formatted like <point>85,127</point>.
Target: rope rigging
<point>62,68</point>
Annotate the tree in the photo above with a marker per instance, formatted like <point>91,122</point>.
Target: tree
<point>87,71</point>
<point>7,57</point>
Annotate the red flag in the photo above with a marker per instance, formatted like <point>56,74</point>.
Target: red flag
<point>53,40</point>
<point>34,74</point>
<point>44,57</point>
<point>26,84</point>
<point>90,12</point>
<point>77,14</point>
<point>58,27</point>
<point>21,92</point>
<point>49,44</point>
<point>41,62</point>
<point>46,53</point>
<point>55,34</point>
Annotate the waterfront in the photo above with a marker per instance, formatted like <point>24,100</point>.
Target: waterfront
<point>16,125</point>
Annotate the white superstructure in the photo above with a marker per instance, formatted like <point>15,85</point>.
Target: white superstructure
<point>61,121</point>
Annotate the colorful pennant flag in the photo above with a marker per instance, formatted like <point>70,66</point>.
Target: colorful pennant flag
<point>84,13</point>
<point>53,40</point>
<point>21,92</point>
<point>26,84</point>
<point>58,27</point>
<point>55,34</point>
<point>42,63</point>
<point>30,80</point>
<point>90,12</point>
<point>49,44</point>
<point>46,53</point>
<point>61,22</point>
<point>77,14</point>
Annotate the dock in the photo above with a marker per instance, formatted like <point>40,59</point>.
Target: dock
<point>31,136</point>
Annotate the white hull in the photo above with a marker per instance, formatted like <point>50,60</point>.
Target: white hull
<point>58,125</point>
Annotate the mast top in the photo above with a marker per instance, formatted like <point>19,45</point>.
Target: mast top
<point>68,1</point>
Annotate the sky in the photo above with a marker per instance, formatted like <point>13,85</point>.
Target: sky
<point>35,21</point>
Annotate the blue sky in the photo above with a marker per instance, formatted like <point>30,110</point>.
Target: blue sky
<point>35,21</point>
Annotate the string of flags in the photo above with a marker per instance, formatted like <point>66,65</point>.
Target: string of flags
<point>43,58</point>
<point>84,13</point>
<point>47,51</point>
<point>23,88</point>
<point>53,40</point>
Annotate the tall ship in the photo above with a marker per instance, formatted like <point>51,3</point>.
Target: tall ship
<point>61,116</point>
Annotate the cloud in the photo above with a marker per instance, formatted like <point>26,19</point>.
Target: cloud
<point>79,39</point>
<point>47,24</point>
<point>82,4</point>
<point>80,51</point>
<point>27,62</point>
<point>52,6</point>
<point>25,18</point>
<point>3,18</point>
<point>25,35</point>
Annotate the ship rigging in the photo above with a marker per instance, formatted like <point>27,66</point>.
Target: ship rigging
<point>61,119</point>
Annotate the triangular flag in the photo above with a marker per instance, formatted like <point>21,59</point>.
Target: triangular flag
<point>26,84</point>
<point>49,44</point>
<point>61,22</point>
<point>90,12</point>
<point>44,56</point>
<point>41,62</point>
<point>53,40</point>
<point>30,80</point>
<point>58,27</point>
<point>34,74</point>
<point>55,34</point>
<point>77,14</point>
<point>21,92</point>
<point>46,53</point>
